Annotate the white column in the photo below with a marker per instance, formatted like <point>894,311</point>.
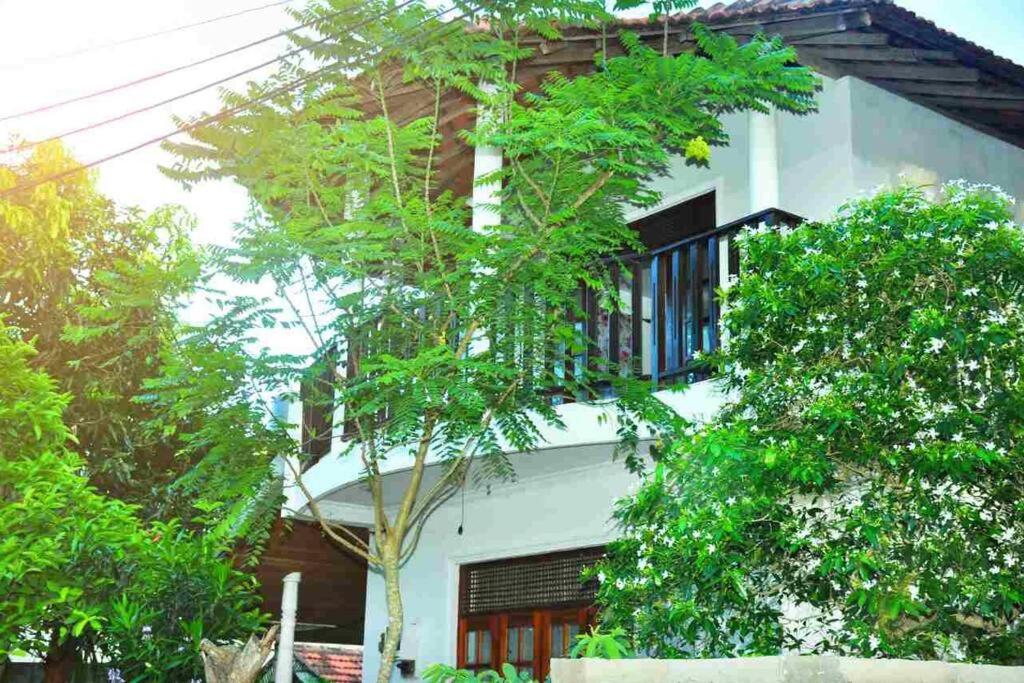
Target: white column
<point>286,639</point>
<point>764,161</point>
<point>486,160</point>
<point>486,197</point>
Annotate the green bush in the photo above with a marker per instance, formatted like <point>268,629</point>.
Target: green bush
<point>860,492</point>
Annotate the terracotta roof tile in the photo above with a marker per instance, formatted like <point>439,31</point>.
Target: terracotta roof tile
<point>751,9</point>
<point>334,663</point>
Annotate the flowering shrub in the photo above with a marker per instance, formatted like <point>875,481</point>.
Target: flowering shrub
<point>860,493</point>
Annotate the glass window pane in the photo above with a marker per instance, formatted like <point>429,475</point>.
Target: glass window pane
<point>573,631</point>
<point>557,646</point>
<point>485,647</point>
<point>625,331</point>
<point>471,647</point>
<point>526,653</point>
<point>513,645</point>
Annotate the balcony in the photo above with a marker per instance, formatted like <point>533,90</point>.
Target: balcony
<point>670,309</point>
<point>670,312</point>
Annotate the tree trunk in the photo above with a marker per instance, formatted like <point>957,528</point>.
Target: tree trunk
<point>232,664</point>
<point>59,663</point>
<point>393,635</point>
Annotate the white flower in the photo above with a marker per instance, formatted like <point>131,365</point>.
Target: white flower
<point>971,291</point>
<point>914,591</point>
<point>712,548</point>
<point>935,344</point>
<point>620,583</point>
<point>601,577</point>
<point>642,564</point>
<point>862,283</point>
<point>958,437</point>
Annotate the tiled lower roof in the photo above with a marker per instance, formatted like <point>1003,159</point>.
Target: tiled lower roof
<point>333,663</point>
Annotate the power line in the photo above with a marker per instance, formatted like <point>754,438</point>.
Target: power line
<point>149,107</point>
<point>219,116</point>
<point>135,39</point>
<point>167,72</point>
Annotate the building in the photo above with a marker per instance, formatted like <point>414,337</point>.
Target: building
<point>495,576</point>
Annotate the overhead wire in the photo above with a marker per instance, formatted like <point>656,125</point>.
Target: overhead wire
<point>135,39</point>
<point>194,91</point>
<point>172,70</point>
<point>222,114</point>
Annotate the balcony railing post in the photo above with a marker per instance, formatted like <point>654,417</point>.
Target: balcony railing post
<point>655,374</point>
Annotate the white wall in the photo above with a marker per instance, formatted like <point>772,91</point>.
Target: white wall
<point>570,509</point>
<point>893,136</point>
<point>816,154</point>
<point>727,176</point>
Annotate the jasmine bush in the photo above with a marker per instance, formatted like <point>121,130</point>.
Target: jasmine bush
<point>860,492</point>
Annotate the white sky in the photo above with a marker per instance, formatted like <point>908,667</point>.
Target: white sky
<point>35,29</point>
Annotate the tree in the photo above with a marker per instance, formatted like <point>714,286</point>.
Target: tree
<point>61,544</point>
<point>447,339</point>
<point>859,494</point>
<point>80,574</point>
<point>96,288</point>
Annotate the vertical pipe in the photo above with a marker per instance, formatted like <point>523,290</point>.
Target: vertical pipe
<point>286,640</point>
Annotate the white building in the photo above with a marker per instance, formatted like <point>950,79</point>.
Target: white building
<point>900,98</point>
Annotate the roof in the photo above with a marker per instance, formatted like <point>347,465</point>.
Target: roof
<point>333,663</point>
<point>874,40</point>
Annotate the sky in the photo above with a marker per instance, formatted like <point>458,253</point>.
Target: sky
<point>34,32</point>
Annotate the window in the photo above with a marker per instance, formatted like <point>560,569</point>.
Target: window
<point>524,611</point>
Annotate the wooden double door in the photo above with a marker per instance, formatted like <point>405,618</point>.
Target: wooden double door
<point>527,639</point>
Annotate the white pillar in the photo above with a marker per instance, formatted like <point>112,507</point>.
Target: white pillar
<point>764,161</point>
<point>286,639</point>
<point>486,160</point>
<point>486,198</point>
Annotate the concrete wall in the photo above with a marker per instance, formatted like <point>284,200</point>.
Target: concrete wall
<point>893,136</point>
<point>568,509</point>
<point>789,669</point>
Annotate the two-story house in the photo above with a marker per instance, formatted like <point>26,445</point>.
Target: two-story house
<point>496,574</point>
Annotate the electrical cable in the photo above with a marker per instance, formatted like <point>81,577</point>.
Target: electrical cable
<point>207,120</point>
<point>135,39</point>
<point>173,70</point>
<point>149,107</point>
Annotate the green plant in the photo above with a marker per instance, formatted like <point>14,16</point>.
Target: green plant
<point>443,673</point>
<point>599,644</point>
<point>859,493</point>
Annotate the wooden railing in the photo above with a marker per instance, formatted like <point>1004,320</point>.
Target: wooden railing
<point>670,312</point>
<point>670,307</point>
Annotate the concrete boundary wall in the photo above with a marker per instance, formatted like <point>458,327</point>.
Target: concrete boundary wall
<point>785,669</point>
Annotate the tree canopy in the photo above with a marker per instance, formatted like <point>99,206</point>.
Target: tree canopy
<point>860,492</point>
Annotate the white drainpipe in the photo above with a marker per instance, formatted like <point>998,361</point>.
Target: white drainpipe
<point>286,639</point>
<point>764,161</point>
